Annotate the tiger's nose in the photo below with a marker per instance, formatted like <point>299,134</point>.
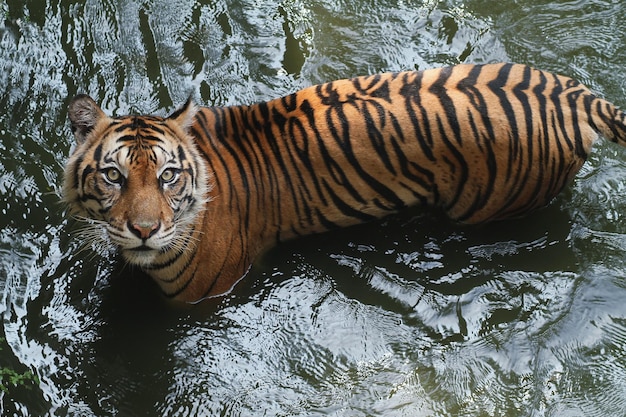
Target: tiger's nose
<point>144,230</point>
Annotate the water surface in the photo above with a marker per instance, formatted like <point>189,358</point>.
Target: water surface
<point>410,316</point>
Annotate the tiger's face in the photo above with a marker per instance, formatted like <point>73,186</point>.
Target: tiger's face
<point>139,178</point>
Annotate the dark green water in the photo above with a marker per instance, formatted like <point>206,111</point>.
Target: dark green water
<point>412,316</point>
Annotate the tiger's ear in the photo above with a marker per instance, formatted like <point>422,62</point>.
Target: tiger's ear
<point>185,114</point>
<point>84,114</point>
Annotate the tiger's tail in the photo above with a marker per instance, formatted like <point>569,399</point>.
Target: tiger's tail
<point>607,119</point>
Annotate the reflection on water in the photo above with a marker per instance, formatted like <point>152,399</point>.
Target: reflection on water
<point>410,316</point>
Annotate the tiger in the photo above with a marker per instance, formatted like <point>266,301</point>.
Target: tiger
<point>192,199</point>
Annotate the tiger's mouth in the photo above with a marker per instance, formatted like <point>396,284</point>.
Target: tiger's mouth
<point>142,248</point>
<point>142,255</point>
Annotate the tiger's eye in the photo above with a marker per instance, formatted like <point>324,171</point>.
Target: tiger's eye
<point>113,175</point>
<point>168,175</point>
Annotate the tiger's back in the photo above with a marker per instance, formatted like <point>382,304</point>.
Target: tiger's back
<point>481,142</point>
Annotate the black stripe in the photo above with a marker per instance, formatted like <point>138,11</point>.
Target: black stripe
<point>484,138</point>
<point>184,286</point>
<point>222,133</point>
<point>331,165</point>
<point>481,196</point>
<point>411,92</point>
<point>439,89</point>
<point>517,174</point>
<point>97,153</point>
<point>75,176</point>
<point>238,142</point>
<point>572,99</point>
<point>407,166</point>
<point>375,135</point>
<point>555,96</point>
<point>181,109</point>
<point>205,134</point>
<point>462,163</point>
<point>127,138</point>
<point>309,112</point>
<point>151,138</point>
<point>515,147</point>
<point>343,138</point>
<point>538,165</point>
<point>290,102</point>
<point>86,172</point>
<point>301,193</point>
<point>345,208</point>
<point>419,196</point>
<point>250,147</point>
<point>329,225</point>
<point>555,156</point>
<point>275,118</point>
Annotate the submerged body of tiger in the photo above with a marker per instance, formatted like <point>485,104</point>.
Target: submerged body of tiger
<point>193,198</point>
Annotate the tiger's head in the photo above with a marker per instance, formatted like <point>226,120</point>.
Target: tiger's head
<point>140,178</point>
